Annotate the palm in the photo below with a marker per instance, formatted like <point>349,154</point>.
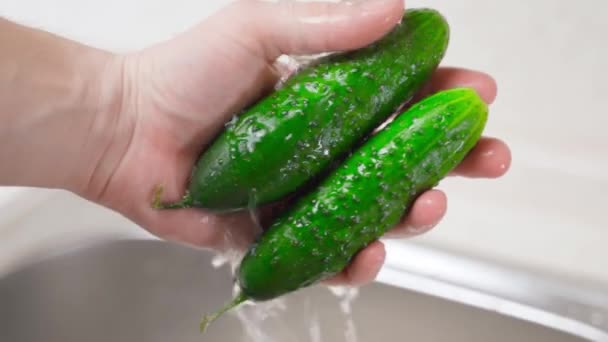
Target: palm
<point>169,132</point>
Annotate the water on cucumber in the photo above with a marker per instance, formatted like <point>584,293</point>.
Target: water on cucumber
<point>252,316</point>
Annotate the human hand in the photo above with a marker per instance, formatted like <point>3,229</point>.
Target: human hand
<point>177,95</point>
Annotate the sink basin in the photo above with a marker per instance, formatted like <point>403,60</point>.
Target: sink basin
<point>147,290</point>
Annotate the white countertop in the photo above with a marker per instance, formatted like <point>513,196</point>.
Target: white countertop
<point>550,59</point>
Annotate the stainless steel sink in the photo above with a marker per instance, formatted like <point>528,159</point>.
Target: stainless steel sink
<point>156,291</point>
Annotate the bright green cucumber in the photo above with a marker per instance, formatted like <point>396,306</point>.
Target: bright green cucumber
<point>364,197</point>
<point>279,144</point>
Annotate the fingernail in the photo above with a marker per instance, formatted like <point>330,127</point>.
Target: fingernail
<point>409,231</point>
<point>363,8</point>
<point>367,7</point>
<point>363,2</point>
<point>413,230</point>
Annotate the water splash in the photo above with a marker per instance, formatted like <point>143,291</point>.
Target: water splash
<point>254,215</point>
<point>255,317</point>
<point>315,329</point>
<point>230,257</point>
<point>347,296</point>
<point>252,317</point>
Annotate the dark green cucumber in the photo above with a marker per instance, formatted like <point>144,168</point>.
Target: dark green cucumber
<point>286,139</point>
<point>364,197</point>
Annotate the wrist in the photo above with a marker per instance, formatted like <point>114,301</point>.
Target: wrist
<point>110,126</point>
<point>60,104</point>
<point>98,112</point>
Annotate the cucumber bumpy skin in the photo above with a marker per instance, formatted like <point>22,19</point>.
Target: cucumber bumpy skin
<point>279,144</point>
<point>364,197</point>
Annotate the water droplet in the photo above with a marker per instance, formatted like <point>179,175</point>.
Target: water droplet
<point>315,209</point>
<point>232,122</point>
<point>311,87</point>
<point>361,169</point>
<point>293,112</point>
<point>274,261</point>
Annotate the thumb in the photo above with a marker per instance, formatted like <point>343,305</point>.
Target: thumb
<point>230,55</point>
<point>273,28</point>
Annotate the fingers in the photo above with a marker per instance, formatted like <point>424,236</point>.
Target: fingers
<point>203,229</point>
<point>427,211</point>
<point>364,268</point>
<point>491,158</point>
<point>271,29</point>
<point>448,78</point>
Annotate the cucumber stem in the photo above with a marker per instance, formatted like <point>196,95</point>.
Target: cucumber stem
<point>184,203</point>
<point>208,319</point>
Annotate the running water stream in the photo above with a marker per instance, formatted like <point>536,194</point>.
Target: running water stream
<point>253,315</point>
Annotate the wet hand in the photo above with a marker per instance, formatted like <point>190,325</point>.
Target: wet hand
<point>177,95</point>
